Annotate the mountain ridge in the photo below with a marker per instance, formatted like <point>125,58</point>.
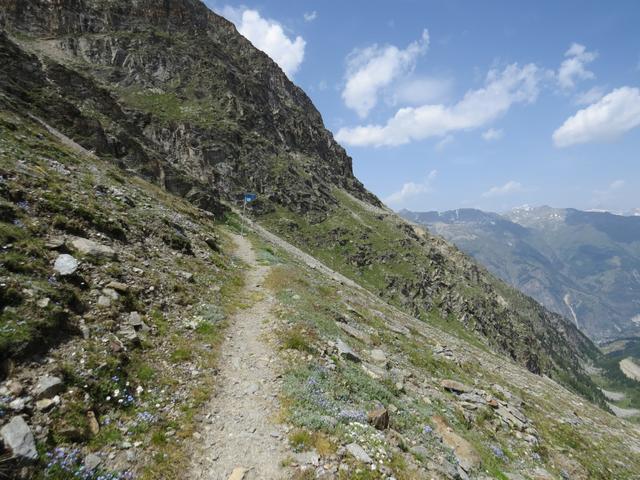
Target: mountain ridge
<point>556,256</point>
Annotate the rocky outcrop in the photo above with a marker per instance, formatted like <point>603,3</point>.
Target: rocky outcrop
<point>200,111</point>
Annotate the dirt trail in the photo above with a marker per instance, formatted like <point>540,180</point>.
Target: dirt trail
<point>240,436</point>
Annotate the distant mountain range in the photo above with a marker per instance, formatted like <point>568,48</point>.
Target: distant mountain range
<point>584,265</point>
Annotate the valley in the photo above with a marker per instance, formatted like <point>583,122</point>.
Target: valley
<point>151,330</point>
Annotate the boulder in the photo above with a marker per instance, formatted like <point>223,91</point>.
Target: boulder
<point>118,287</point>
<point>18,438</point>
<point>47,404</point>
<point>467,456</point>
<point>90,248</point>
<point>358,453</point>
<point>346,352</point>
<point>92,461</point>
<point>65,265</point>
<point>455,387</point>
<point>378,356</point>
<point>379,418</point>
<point>48,387</point>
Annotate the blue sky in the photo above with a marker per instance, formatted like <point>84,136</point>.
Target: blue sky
<point>446,104</point>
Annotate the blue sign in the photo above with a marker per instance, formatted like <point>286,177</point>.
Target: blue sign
<point>250,197</point>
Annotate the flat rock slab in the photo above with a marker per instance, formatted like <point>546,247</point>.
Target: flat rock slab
<point>455,387</point>
<point>18,438</point>
<point>467,457</point>
<point>358,453</point>
<point>48,387</point>
<point>92,249</point>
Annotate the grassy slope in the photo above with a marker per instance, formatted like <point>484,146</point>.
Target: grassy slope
<point>321,387</point>
<point>382,253</point>
<point>50,190</point>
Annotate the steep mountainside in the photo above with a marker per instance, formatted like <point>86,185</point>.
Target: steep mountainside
<point>171,91</point>
<point>118,279</point>
<point>583,265</point>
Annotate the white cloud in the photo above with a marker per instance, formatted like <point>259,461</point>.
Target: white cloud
<point>589,96</point>
<point>608,118</point>
<point>412,189</point>
<point>493,134</point>
<point>268,36</point>
<point>507,189</point>
<point>477,108</point>
<point>442,144</point>
<point>373,68</point>
<point>310,16</point>
<point>573,68</point>
<point>420,90</point>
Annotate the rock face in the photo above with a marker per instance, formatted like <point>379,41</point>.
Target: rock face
<point>18,438</point>
<point>245,126</point>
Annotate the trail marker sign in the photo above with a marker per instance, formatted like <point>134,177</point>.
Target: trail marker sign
<point>248,198</point>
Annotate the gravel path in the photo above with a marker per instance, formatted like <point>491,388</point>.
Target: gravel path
<point>241,439</point>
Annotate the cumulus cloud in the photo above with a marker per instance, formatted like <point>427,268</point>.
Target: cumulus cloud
<point>573,68</point>
<point>589,96</point>
<point>502,89</point>
<point>270,37</point>
<point>493,134</point>
<point>608,118</point>
<point>420,90</point>
<point>373,68</point>
<point>310,16</point>
<point>412,189</point>
<point>508,188</point>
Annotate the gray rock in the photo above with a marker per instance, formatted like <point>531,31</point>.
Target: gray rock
<point>65,264</point>
<point>355,333</point>
<point>47,404</point>
<point>92,249</point>
<point>358,453</point>
<point>129,333</point>
<point>14,387</point>
<point>346,352</point>
<point>48,387</point>
<point>378,356</point>
<point>420,452</point>
<point>455,387</point>
<point>135,320</point>
<point>111,293</point>
<point>307,458</point>
<point>92,461</point>
<point>43,302</point>
<point>104,301</point>
<point>18,404</point>
<point>18,438</point>
<point>118,286</point>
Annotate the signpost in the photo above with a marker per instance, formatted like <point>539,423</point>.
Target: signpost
<point>248,198</point>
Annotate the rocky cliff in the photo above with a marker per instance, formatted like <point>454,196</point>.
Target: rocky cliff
<point>171,90</point>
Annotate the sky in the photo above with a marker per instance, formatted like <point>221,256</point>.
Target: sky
<point>448,104</point>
